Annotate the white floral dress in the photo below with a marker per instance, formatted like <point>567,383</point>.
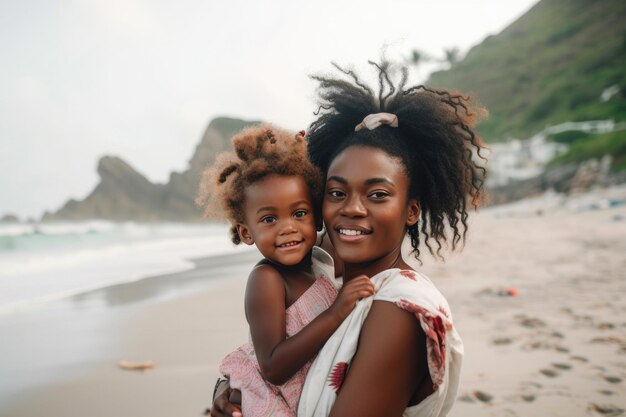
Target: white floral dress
<point>415,293</point>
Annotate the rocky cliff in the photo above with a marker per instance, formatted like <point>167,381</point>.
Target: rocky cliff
<point>124,194</point>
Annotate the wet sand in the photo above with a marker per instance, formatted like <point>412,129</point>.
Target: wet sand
<point>556,348</point>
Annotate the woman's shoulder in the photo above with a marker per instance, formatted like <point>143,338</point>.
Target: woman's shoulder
<point>415,293</point>
<point>405,287</point>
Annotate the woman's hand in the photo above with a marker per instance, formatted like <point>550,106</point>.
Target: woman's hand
<point>222,405</point>
<point>350,293</point>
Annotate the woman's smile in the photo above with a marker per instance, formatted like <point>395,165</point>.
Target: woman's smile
<point>350,233</point>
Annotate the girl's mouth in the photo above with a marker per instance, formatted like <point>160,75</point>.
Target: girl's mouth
<point>289,245</point>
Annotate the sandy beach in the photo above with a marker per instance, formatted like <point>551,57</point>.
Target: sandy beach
<point>538,295</point>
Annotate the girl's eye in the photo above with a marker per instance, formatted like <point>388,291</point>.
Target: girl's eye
<point>299,214</point>
<point>268,219</point>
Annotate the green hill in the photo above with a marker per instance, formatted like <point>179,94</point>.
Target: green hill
<point>550,66</point>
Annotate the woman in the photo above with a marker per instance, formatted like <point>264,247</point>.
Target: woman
<point>399,163</point>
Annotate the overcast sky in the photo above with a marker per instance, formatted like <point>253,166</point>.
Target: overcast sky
<point>141,79</point>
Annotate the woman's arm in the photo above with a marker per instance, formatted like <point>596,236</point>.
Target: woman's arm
<point>388,367</point>
<point>281,357</point>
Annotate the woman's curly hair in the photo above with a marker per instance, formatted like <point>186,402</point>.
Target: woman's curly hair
<point>259,151</point>
<point>435,140</point>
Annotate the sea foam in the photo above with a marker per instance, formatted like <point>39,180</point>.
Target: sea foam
<point>44,262</point>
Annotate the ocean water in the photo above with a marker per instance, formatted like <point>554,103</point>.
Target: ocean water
<point>42,262</point>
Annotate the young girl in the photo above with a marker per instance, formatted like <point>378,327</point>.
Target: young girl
<point>269,191</point>
<point>398,163</point>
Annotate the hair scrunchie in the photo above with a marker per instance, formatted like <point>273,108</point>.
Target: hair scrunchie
<point>372,121</point>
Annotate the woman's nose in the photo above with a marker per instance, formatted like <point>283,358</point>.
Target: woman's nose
<point>354,207</point>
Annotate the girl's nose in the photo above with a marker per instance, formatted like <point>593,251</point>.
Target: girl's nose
<point>288,227</point>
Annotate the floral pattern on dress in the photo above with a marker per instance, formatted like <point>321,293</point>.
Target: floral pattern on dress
<point>338,375</point>
<point>435,327</point>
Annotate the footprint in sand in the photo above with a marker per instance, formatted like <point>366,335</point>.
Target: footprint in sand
<point>531,322</point>
<point>613,379</point>
<point>528,398</point>
<point>562,366</point>
<point>543,345</point>
<point>474,396</point>
<point>620,342</point>
<point>606,410</point>
<point>483,396</point>
<point>579,358</point>
<point>502,341</point>
<point>549,373</point>
<point>531,384</point>
<point>606,392</point>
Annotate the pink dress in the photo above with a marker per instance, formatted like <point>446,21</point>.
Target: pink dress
<point>259,397</point>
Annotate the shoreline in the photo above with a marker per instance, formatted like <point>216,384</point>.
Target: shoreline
<point>135,290</point>
<point>71,347</point>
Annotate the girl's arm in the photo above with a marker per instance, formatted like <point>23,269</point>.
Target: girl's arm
<point>280,358</point>
<point>388,367</point>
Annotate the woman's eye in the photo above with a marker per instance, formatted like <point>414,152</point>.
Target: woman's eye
<point>268,219</point>
<point>379,195</point>
<point>299,214</point>
<point>336,193</point>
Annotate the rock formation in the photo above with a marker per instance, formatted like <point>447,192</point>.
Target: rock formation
<point>10,218</point>
<point>124,194</point>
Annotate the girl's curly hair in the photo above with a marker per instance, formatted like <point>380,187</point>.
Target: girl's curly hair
<point>435,141</point>
<point>259,151</point>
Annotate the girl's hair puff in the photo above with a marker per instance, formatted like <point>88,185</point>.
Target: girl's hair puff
<point>258,151</point>
<point>435,140</point>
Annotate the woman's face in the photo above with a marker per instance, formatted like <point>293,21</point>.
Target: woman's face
<point>366,207</point>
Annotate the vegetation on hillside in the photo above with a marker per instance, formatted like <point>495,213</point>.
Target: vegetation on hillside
<point>588,146</point>
<point>550,66</point>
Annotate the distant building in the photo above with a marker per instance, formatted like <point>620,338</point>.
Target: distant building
<point>518,159</point>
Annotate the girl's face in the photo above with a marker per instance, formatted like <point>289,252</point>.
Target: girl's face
<point>366,207</point>
<point>279,219</point>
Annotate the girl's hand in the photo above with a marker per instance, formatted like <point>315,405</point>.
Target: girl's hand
<point>222,407</point>
<point>350,293</point>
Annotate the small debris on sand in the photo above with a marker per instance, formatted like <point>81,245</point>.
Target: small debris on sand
<point>136,366</point>
<point>483,396</point>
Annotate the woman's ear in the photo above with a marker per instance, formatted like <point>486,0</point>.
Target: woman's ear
<point>244,234</point>
<point>413,212</point>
